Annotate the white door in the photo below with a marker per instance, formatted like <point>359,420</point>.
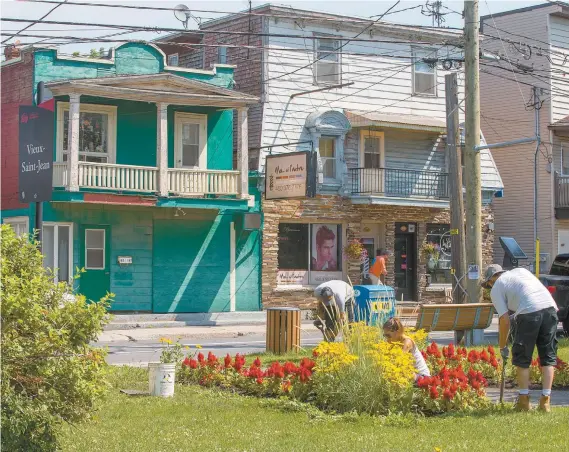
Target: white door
<point>563,241</point>
<point>191,142</point>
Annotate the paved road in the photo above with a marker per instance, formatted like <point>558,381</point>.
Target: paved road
<point>140,353</point>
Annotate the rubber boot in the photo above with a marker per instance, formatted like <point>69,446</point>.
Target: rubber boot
<point>523,403</point>
<point>545,404</point>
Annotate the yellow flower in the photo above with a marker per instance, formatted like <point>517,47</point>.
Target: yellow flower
<point>187,347</point>
<point>198,346</point>
<point>438,449</point>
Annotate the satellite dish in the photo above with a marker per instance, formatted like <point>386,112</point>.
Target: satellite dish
<point>183,14</point>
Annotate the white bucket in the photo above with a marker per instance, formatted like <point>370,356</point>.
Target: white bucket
<point>161,378</point>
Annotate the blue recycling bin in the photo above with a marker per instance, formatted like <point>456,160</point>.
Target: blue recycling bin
<point>374,304</point>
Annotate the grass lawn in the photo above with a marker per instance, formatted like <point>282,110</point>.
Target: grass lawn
<point>205,419</point>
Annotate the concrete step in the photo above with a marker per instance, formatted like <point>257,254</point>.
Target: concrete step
<point>132,321</point>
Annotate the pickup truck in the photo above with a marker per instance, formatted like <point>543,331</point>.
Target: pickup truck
<point>557,282</point>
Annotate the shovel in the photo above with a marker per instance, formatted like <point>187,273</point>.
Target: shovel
<point>503,382</point>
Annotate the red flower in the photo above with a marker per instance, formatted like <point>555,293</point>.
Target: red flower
<point>305,374</point>
<point>193,364</point>
<point>475,384</point>
<point>227,361</point>
<point>447,394</point>
<point>433,392</point>
<point>211,360</point>
<point>473,356</point>
<point>286,386</point>
<point>259,380</point>
<point>257,362</point>
<point>239,362</point>
<point>186,362</point>
<point>276,370</point>
<point>307,363</point>
<point>200,357</point>
<point>290,368</point>
<point>491,351</point>
<point>494,362</point>
<point>314,354</point>
<point>423,382</point>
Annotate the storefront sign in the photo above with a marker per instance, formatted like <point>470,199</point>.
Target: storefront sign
<point>292,277</point>
<point>36,154</point>
<point>286,175</point>
<point>317,278</point>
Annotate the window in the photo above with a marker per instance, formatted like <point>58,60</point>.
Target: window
<point>20,225</point>
<point>97,131</point>
<point>328,64</point>
<point>173,60</point>
<point>57,249</point>
<point>439,261</point>
<point>327,147</point>
<point>222,55</point>
<point>309,254</point>
<point>424,74</point>
<point>565,159</point>
<point>372,151</point>
<point>191,141</point>
<point>95,249</point>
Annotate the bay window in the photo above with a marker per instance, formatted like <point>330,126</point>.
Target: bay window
<point>309,253</point>
<point>57,249</point>
<point>97,133</point>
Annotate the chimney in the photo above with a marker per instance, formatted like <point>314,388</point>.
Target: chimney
<point>12,51</point>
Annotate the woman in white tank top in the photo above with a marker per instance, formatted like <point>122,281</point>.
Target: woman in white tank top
<point>394,331</point>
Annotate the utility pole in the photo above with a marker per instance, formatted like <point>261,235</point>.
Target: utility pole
<point>537,106</point>
<point>471,155</point>
<point>455,187</point>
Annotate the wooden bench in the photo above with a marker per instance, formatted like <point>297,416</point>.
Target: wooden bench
<point>455,317</point>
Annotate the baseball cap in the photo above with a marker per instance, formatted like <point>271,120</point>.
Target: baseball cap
<point>491,271</point>
<point>326,292</point>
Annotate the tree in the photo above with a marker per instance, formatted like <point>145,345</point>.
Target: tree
<point>50,374</point>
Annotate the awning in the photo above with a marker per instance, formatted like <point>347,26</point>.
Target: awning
<point>408,122</point>
<point>562,123</point>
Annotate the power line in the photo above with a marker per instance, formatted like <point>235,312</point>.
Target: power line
<point>36,21</point>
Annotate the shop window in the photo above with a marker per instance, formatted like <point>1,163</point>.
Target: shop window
<point>57,249</point>
<point>20,225</point>
<point>439,260</point>
<point>97,131</point>
<point>309,254</point>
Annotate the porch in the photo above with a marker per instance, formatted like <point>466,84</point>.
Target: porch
<point>159,134</point>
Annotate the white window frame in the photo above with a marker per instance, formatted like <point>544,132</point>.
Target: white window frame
<point>104,248</point>
<point>316,60</point>
<point>201,120</point>
<point>336,166</point>
<point>13,221</point>
<point>109,110</point>
<point>173,56</point>
<point>56,241</point>
<point>562,160</point>
<point>420,53</point>
<point>364,133</point>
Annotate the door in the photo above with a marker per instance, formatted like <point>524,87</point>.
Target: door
<point>404,261</point>
<point>95,282</point>
<point>371,176</point>
<point>191,146</point>
<point>563,241</point>
<point>369,246</point>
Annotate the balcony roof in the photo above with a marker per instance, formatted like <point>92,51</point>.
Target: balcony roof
<point>563,123</point>
<point>409,122</point>
<point>163,87</point>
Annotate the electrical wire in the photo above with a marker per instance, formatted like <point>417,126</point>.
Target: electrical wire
<point>34,22</point>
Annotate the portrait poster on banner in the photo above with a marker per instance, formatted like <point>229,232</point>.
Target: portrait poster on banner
<point>326,261</point>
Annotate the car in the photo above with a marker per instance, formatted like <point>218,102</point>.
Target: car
<point>557,282</point>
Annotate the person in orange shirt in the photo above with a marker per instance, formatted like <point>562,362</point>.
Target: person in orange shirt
<point>378,270</point>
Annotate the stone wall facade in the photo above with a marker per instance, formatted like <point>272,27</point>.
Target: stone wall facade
<point>339,210</point>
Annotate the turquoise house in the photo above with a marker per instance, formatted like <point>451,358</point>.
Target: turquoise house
<point>146,196</point>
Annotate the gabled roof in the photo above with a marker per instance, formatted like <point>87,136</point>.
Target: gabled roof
<point>163,87</point>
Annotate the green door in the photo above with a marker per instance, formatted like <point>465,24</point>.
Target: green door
<point>95,247</point>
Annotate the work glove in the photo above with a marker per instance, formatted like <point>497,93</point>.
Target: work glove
<point>505,353</point>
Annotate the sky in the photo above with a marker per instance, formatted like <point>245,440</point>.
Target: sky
<point>22,9</point>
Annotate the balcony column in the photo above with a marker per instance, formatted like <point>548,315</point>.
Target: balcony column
<point>162,147</point>
<point>73,143</point>
<point>243,154</point>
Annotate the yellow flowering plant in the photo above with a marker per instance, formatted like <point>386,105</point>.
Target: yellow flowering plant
<point>172,353</point>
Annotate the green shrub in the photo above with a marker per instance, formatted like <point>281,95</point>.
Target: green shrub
<point>50,374</point>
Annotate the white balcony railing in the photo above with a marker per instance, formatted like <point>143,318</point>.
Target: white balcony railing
<point>181,182</point>
<point>200,182</point>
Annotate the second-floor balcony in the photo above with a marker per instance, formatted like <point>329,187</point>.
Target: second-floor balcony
<point>561,187</point>
<point>144,179</point>
<point>398,183</point>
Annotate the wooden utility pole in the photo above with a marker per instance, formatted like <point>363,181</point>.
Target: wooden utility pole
<point>455,187</point>
<point>472,155</point>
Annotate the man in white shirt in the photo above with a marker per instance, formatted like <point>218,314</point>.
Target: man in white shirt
<point>335,299</point>
<point>534,311</point>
